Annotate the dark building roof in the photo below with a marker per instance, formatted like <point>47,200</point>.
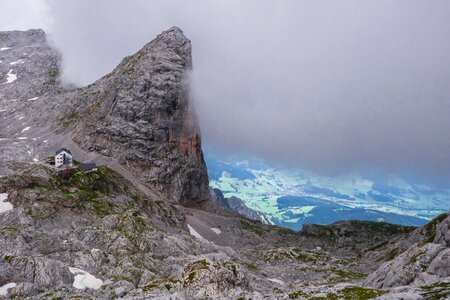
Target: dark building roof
<point>63,149</point>
<point>88,167</point>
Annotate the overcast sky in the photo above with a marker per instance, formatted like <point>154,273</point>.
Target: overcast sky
<point>336,86</point>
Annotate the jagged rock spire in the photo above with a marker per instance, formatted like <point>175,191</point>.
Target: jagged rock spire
<point>142,115</point>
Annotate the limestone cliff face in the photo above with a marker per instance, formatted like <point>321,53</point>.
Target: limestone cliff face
<point>426,261</point>
<point>142,115</point>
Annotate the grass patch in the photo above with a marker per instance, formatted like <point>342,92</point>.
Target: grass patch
<point>250,266</point>
<point>438,290</point>
<point>359,293</point>
<point>392,254</point>
<point>191,276</point>
<point>52,76</point>
<point>9,258</point>
<point>69,119</point>
<point>349,274</point>
<point>165,283</point>
<point>297,294</point>
<point>414,258</point>
<point>253,226</point>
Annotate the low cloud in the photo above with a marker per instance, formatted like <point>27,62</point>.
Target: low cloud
<point>336,86</point>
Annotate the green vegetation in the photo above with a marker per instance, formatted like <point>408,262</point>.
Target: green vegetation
<point>348,293</point>
<point>250,266</point>
<point>290,253</point>
<point>277,290</point>
<point>253,226</point>
<point>197,265</point>
<point>165,283</point>
<point>194,267</point>
<point>52,75</point>
<point>392,254</point>
<point>69,119</point>
<point>8,258</point>
<point>88,189</point>
<point>285,232</point>
<point>191,276</point>
<point>352,293</point>
<point>378,246</point>
<point>438,290</point>
<point>431,227</point>
<point>5,231</point>
<point>349,274</point>
<point>414,258</point>
<point>297,294</point>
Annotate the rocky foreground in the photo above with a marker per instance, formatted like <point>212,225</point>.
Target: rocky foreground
<point>143,226</point>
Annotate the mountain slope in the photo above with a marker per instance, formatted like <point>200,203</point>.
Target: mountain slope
<point>138,119</point>
<point>146,230</point>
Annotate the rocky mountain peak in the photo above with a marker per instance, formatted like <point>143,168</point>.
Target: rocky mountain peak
<point>139,119</point>
<point>142,115</point>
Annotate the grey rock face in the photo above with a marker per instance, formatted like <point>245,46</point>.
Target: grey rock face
<point>29,70</point>
<point>142,115</point>
<point>405,268</point>
<point>30,61</point>
<point>443,232</point>
<point>237,205</point>
<point>425,262</point>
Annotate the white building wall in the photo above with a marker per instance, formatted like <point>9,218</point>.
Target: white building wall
<point>59,159</point>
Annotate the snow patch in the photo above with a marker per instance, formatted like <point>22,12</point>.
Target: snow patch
<point>4,205</point>
<point>84,280</point>
<point>20,61</point>
<point>4,289</point>
<point>194,233</point>
<point>216,230</point>
<point>26,129</point>
<point>45,141</point>
<point>281,282</point>
<point>32,99</point>
<point>265,220</point>
<point>11,77</point>
<point>5,48</point>
<point>35,159</point>
<point>2,110</point>
<point>22,138</point>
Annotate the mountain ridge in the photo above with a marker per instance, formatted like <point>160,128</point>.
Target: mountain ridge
<point>108,234</point>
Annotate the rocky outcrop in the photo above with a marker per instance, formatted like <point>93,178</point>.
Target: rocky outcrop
<point>236,204</point>
<point>425,262</point>
<point>442,231</point>
<point>355,234</point>
<point>29,74</point>
<point>29,66</point>
<point>142,115</point>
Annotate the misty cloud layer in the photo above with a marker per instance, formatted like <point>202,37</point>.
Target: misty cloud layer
<point>332,85</point>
